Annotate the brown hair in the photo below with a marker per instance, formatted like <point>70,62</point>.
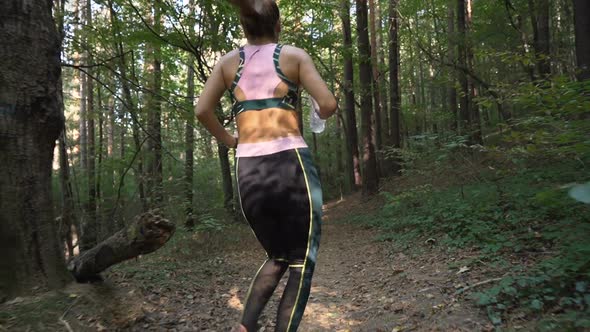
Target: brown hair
<point>261,20</point>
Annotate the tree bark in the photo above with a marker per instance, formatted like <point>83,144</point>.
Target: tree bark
<point>376,84</point>
<point>31,119</point>
<point>89,226</point>
<point>189,135</point>
<point>544,50</point>
<point>464,100</point>
<point>582,28</point>
<point>475,121</point>
<point>147,233</point>
<point>189,147</point>
<point>154,126</point>
<point>382,49</point>
<point>352,150</point>
<point>68,218</point>
<point>451,90</point>
<point>394,92</point>
<point>370,178</point>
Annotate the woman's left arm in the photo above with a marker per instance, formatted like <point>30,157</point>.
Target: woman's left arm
<point>205,109</point>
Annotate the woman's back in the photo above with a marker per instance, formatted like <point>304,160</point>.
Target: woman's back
<point>259,80</point>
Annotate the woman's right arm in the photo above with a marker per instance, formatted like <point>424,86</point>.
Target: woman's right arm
<point>314,84</point>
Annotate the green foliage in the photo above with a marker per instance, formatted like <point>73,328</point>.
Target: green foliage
<point>516,198</point>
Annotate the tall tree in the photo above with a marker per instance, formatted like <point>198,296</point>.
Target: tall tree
<point>539,12</point>
<point>376,81</point>
<point>352,150</point>
<point>582,27</point>
<point>464,100</point>
<point>82,128</point>
<point>370,178</point>
<point>382,81</point>
<point>154,108</point>
<point>474,118</point>
<point>190,127</point>
<point>129,104</point>
<point>89,227</point>
<point>394,90</point>
<point>451,56</point>
<point>31,119</point>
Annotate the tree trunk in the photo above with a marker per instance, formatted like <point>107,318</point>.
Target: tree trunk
<point>129,105</point>
<point>352,151</point>
<point>339,162</point>
<point>376,84</point>
<point>189,146</point>
<point>381,51</point>
<point>31,119</point>
<point>464,100</point>
<point>68,218</point>
<point>89,225</point>
<point>189,135</point>
<point>394,92</point>
<point>475,121</point>
<point>582,27</point>
<point>146,234</point>
<point>451,91</point>
<point>544,50</point>
<point>154,126</point>
<point>370,178</point>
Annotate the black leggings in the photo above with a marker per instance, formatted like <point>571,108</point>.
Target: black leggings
<point>281,199</point>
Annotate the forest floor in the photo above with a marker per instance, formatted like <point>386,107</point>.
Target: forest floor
<point>198,283</point>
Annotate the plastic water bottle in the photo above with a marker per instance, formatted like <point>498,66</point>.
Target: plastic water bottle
<point>317,125</point>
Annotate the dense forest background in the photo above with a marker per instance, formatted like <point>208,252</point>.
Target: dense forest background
<point>405,73</point>
<point>469,117</point>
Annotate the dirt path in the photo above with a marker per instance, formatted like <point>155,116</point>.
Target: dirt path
<point>360,284</point>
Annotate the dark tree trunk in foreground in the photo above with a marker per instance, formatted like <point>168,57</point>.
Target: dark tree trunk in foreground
<point>394,93</point>
<point>582,26</point>
<point>147,233</point>
<point>30,122</point>
<point>352,150</point>
<point>370,178</point>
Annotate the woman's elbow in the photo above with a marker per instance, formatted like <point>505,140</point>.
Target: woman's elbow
<point>328,108</point>
<point>200,113</point>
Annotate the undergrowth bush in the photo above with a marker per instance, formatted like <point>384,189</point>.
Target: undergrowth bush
<point>509,199</point>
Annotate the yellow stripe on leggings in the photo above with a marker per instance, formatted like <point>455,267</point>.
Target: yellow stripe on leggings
<point>308,239</point>
<point>250,290</point>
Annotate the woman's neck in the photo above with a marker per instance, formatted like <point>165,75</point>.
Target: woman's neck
<point>262,41</point>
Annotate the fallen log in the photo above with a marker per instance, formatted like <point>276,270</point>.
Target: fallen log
<point>147,233</point>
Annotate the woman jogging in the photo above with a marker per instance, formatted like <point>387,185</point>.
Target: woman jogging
<point>278,185</point>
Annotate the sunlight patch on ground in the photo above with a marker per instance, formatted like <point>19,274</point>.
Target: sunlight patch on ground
<point>234,301</point>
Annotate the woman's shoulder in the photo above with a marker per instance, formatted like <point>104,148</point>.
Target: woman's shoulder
<point>295,52</point>
<point>230,56</point>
